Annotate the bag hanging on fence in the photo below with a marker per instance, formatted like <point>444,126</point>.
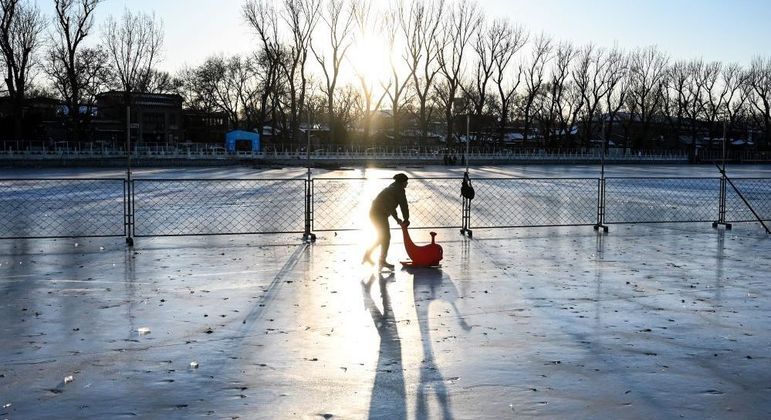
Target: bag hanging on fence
<point>466,190</point>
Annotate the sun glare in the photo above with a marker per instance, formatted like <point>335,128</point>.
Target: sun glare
<point>370,57</point>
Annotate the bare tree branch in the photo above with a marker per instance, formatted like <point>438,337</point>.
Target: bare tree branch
<point>534,77</point>
<point>460,27</point>
<point>134,43</point>
<point>21,25</point>
<point>647,78</point>
<point>73,23</point>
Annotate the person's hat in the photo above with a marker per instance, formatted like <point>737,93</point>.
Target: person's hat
<point>400,178</point>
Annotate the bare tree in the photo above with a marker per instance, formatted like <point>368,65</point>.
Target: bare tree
<point>647,77</point>
<point>161,82</point>
<point>421,25</point>
<point>366,102</point>
<point>685,97</point>
<point>21,25</point>
<point>676,96</point>
<point>534,74</point>
<point>242,75</point>
<point>339,20</point>
<point>197,91</point>
<point>617,82</point>
<point>460,26</point>
<point>134,44</point>
<point>231,84</point>
<point>564,100</point>
<point>301,17</point>
<point>491,42</point>
<point>696,104</point>
<point>715,95</point>
<point>345,104</point>
<point>396,87</point>
<point>759,83</point>
<point>262,17</point>
<point>734,79</point>
<point>487,44</point>
<point>73,23</point>
<point>93,76</point>
<point>592,79</point>
<point>513,38</point>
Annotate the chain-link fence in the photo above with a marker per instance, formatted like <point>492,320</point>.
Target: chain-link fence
<point>51,208</point>
<point>757,191</point>
<point>658,200</point>
<point>38,208</point>
<point>519,202</point>
<point>344,203</point>
<point>172,207</point>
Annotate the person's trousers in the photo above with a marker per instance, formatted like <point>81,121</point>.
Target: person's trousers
<point>383,233</point>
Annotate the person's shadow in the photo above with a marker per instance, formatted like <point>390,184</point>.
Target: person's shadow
<point>429,285</point>
<point>388,396</point>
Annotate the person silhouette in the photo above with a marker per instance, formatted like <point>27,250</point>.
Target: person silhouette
<point>384,205</point>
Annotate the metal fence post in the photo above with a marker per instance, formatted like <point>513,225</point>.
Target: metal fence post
<point>466,210</point>
<point>601,187</point>
<point>128,210</point>
<point>601,206</point>
<point>308,236</point>
<point>466,218</point>
<point>722,207</point>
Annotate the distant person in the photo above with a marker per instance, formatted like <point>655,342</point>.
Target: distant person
<point>384,205</point>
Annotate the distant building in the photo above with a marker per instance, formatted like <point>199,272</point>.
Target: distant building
<point>41,119</point>
<point>155,118</point>
<point>204,127</point>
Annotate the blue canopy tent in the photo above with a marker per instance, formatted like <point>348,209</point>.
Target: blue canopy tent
<point>236,136</point>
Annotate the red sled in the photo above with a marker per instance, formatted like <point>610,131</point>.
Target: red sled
<point>421,256</point>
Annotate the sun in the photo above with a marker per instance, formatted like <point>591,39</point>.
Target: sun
<point>370,57</point>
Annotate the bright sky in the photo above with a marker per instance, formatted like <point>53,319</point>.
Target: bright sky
<point>715,30</point>
<point>723,30</point>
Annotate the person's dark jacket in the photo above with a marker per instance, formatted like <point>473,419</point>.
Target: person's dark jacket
<point>385,203</point>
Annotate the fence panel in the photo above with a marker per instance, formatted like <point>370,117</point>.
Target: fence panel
<point>659,200</point>
<point>67,207</point>
<point>175,207</point>
<point>517,202</point>
<point>757,191</point>
<point>344,203</point>
<point>54,208</point>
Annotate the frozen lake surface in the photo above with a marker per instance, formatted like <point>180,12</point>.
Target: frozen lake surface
<point>647,321</point>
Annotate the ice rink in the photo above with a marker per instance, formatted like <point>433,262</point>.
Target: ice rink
<point>646,321</point>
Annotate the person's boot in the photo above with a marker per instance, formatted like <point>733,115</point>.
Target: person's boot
<point>386,265</point>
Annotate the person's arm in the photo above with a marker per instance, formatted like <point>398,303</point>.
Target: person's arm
<point>393,196</point>
<point>404,207</point>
